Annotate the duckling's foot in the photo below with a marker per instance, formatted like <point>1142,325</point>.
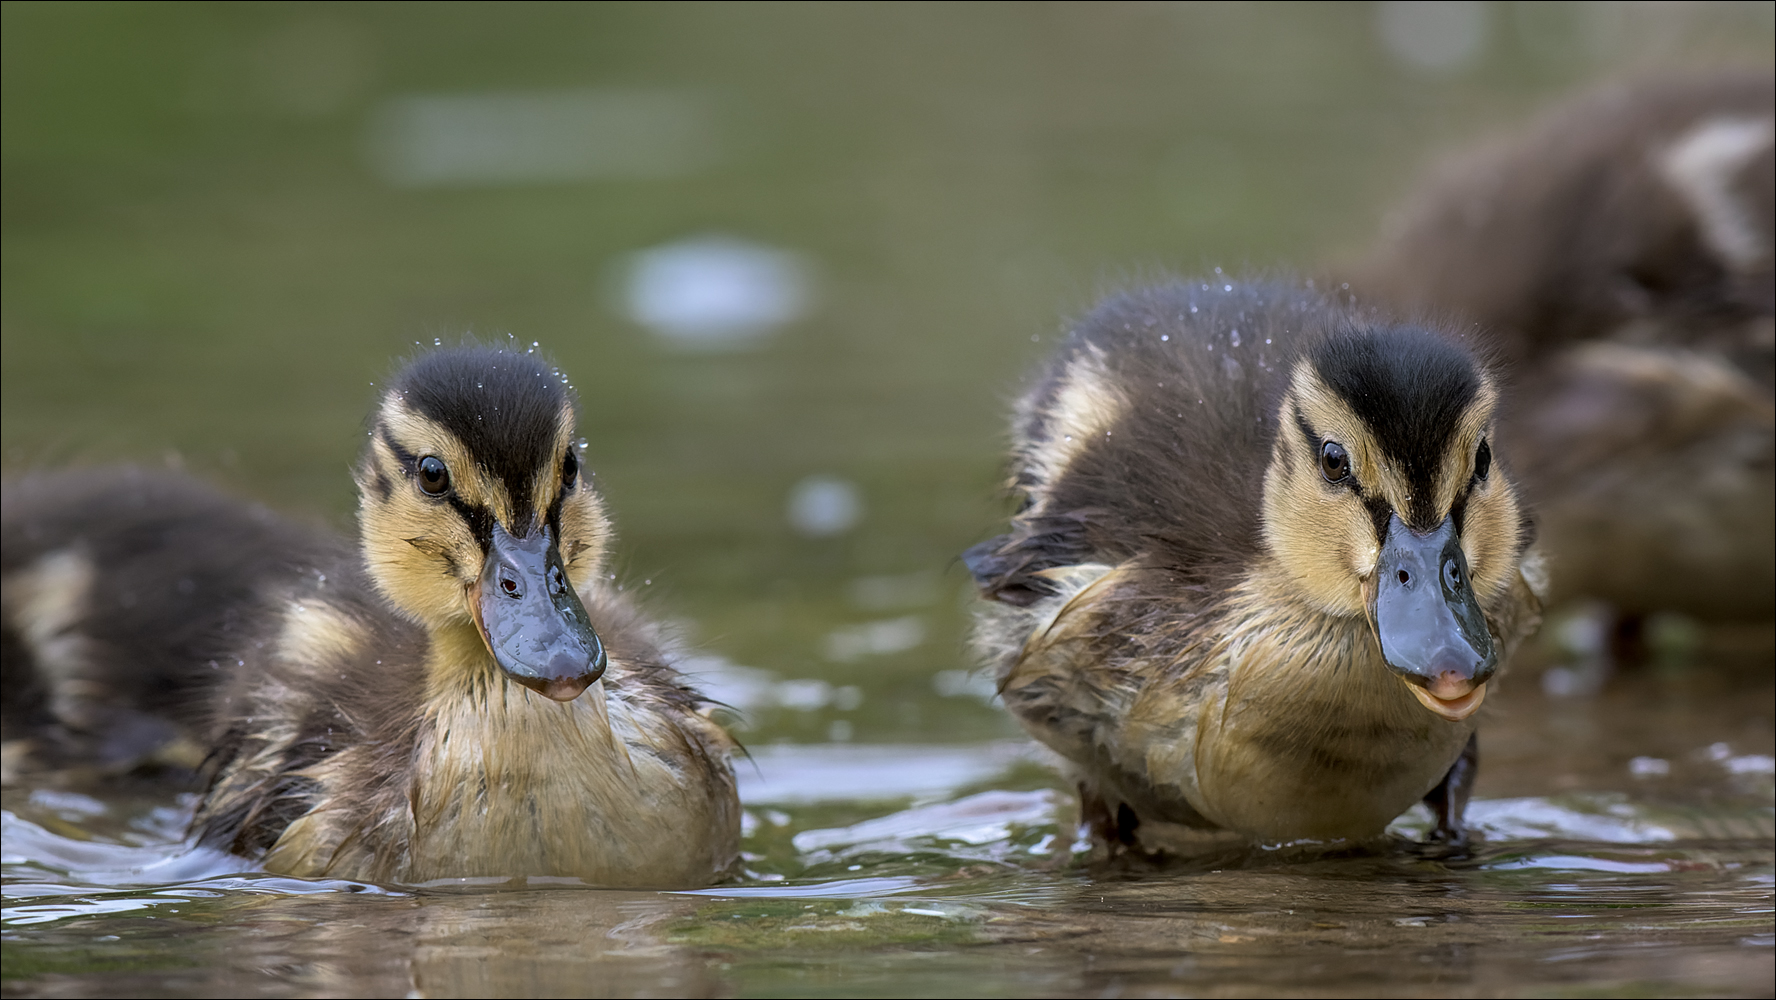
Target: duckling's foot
<point>1113,829</point>
<point>1449,800</point>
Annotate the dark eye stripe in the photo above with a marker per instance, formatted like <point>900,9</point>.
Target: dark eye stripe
<point>1319,445</point>
<point>1307,433</point>
<point>409,461</point>
<point>479,520</point>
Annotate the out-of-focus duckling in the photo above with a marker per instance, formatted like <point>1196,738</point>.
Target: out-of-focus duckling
<point>1622,250</point>
<point>462,695</point>
<point>1639,213</point>
<point>1265,567</point>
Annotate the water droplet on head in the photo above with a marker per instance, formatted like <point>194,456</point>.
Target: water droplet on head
<point>1165,337</point>
<point>1234,337</point>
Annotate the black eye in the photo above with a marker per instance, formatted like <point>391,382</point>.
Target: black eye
<point>570,469</point>
<point>1483,460</point>
<point>434,478</point>
<point>1335,464</point>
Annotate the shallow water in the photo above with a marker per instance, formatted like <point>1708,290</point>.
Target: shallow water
<point>965,879</point>
<point>795,286</point>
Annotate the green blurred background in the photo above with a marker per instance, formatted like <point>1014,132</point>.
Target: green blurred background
<point>223,222</point>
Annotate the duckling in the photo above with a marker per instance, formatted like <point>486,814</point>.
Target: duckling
<point>1265,567</point>
<point>1622,250</point>
<point>461,694</point>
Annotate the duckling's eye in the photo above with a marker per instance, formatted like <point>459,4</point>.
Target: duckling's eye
<point>570,470</point>
<point>1335,463</point>
<point>434,478</point>
<point>1483,460</point>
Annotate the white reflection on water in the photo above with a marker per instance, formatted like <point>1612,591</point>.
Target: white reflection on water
<point>750,689</point>
<point>978,819</point>
<point>829,772</point>
<point>824,506</point>
<point>977,684</point>
<point>894,591</point>
<point>99,863</point>
<point>713,292</point>
<point>1445,36</point>
<point>524,137</point>
<point>841,888</point>
<point>894,635</point>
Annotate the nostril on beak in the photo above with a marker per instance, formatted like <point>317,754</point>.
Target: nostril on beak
<point>1405,577</point>
<point>511,586</point>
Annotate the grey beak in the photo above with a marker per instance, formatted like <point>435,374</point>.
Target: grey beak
<point>1426,614</point>
<point>533,622</point>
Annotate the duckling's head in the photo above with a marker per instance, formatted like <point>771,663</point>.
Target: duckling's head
<point>1383,498</point>
<point>473,509</point>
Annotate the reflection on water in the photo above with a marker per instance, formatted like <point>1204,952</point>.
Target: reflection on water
<point>989,892</point>
<point>960,870</point>
<point>493,139</point>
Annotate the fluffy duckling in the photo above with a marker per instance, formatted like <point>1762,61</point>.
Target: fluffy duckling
<point>1265,567</point>
<point>1622,250</point>
<point>461,695</point>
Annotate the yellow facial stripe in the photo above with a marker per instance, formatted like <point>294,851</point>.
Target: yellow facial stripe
<point>421,437</point>
<point>546,484</point>
<point>1375,472</point>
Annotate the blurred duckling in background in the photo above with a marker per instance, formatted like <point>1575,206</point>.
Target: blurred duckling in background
<point>1266,564</point>
<point>1621,249</point>
<point>461,695</point>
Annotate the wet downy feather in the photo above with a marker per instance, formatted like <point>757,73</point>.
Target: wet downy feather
<point>355,721</point>
<point>1180,607</point>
